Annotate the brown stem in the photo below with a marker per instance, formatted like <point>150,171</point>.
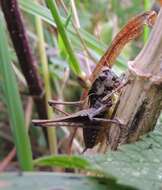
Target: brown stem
<point>130,31</point>
<point>28,65</point>
<point>141,101</point>
<point>7,160</point>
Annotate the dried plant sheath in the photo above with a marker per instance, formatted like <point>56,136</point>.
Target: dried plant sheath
<point>130,31</point>
<point>141,101</point>
<point>26,60</point>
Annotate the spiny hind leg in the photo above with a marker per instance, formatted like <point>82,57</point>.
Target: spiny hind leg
<point>112,121</point>
<point>60,110</point>
<point>55,102</point>
<point>100,110</point>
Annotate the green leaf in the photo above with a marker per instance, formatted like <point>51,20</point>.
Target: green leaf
<point>13,102</point>
<point>99,47</point>
<point>33,8</point>
<point>56,181</point>
<point>63,161</point>
<point>138,164</point>
<point>73,61</point>
<point>61,47</point>
<point>68,19</point>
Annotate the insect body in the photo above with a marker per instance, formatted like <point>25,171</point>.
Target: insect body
<point>91,118</point>
<point>103,85</point>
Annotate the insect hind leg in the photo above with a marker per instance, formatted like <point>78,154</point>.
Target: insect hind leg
<point>98,111</point>
<point>60,110</point>
<point>104,120</point>
<point>55,102</point>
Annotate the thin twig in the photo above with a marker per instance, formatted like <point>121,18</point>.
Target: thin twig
<point>7,160</point>
<point>27,62</point>
<point>52,139</point>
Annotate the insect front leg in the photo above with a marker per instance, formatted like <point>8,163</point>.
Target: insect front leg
<point>53,104</point>
<point>122,85</point>
<point>99,110</point>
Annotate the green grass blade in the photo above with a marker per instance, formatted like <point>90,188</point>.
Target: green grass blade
<point>44,13</point>
<point>13,101</point>
<point>38,10</point>
<point>74,64</point>
<point>147,6</point>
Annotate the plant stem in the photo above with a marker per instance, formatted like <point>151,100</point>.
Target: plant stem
<point>26,60</point>
<point>139,109</point>
<point>43,58</point>
<point>74,64</point>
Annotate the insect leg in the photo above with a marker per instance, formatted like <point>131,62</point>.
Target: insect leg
<point>60,124</point>
<point>59,110</point>
<point>84,150</point>
<point>116,90</point>
<point>55,102</point>
<point>104,120</point>
<point>98,111</point>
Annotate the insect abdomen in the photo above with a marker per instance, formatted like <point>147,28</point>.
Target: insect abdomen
<point>90,137</point>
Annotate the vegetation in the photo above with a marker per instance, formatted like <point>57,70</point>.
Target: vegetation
<point>48,53</point>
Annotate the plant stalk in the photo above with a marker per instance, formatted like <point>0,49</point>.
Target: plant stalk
<point>74,64</point>
<point>141,101</point>
<point>43,58</point>
<point>27,62</point>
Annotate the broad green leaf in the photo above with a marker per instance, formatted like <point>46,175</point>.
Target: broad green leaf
<point>138,165</point>
<point>56,181</point>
